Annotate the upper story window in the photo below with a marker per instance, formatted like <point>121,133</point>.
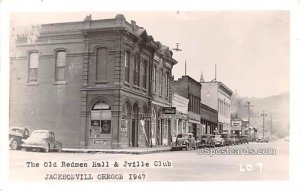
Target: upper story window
<point>160,82</point>
<point>33,67</point>
<point>101,64</point>
<point>154,79</point>
<point>167,84</point>
<point>60,65</point>
<point>127,66</point>
<point>136,70</point>
<point>145,74</point>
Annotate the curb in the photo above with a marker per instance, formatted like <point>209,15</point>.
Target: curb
<point>115,152</point>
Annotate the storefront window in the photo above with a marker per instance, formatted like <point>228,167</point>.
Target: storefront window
<point>184,127</point>
<point>153,127</point>
<point>100,120</point>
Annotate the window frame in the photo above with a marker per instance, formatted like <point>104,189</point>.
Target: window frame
<point>145,65</point>
<point>29,77</point>
<point>59,67</point>
<point>127,66</point>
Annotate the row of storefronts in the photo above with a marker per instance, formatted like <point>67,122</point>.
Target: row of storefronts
<point>113,87</point>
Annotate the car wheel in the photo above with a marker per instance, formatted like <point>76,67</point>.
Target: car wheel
<point>14,145</point>
<point>46,150</point>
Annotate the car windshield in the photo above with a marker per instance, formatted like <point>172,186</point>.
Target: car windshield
<point>40,134</point>
<point>182,136</point>
<point>204,136</point>
<point>224,136</point>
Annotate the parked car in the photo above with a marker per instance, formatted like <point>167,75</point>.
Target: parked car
<point>262,140</point>
<point>219,141</point>
<point>234,140</point>
<point>16,137</point>
<point>244,139</point>
<point>207,140</point>
<point>42,140</point>
<point>185,140</point>
<point>227,140</point>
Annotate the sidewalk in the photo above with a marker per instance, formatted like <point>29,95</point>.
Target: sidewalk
<point>120,151</point>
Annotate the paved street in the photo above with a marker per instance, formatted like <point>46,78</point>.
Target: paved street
<point>169,166</point>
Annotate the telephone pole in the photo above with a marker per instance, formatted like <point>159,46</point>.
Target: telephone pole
<point>264,115</point>
<point>248,105</point>
<point>271,127</point>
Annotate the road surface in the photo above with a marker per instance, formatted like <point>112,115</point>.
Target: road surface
<point>228,163</point>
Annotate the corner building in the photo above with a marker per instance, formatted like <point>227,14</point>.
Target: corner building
<point>96,83</point>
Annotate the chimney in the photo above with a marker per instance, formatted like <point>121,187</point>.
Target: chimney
<point>133,23</point>
<point>119,19</point>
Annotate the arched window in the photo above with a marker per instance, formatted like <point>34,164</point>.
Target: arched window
<point>100,120</point>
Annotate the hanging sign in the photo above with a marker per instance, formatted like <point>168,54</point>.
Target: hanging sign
<point>169,110</point>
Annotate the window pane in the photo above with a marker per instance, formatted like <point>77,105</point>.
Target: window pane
<point>60,74</point>
<point>61,58</point>
<point>127,65</point>
<point>101,66</point>
<point>32,75</point>
<point>33,60</point>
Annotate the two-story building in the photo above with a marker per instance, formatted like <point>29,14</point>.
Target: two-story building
<point>96,83</point>
<point>190,89</point>
<point>217,95</point>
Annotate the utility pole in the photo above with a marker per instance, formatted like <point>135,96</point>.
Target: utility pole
<point>185,67</point>
<point>271,127</point>
<point>248,105</point>
<point>264,115</point>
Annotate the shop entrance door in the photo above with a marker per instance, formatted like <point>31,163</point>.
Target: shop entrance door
<point>134,133</point>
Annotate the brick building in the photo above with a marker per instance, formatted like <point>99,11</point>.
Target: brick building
<point>209,119</point>
<point>96,83</point>
<point>190,89</point>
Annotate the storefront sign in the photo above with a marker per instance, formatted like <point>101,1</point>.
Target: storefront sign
<point>237,124</point>
<point>169,110</point>
<point>102,142</point>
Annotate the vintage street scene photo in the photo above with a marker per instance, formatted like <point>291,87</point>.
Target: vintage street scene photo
<point>149,96</point>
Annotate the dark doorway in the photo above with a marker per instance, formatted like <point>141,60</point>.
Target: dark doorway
<point>134,133</point>
<point>194,130</point>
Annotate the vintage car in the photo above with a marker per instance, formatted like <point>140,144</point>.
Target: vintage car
<point>206,140</point>
<point>262,140</point>
<point>219,141</point>
<point>234,140</point>
<point>42,140</point>
<point>16,137</point>
<point>244,139</point>
<point>227,140</point>
<point>184,141</point>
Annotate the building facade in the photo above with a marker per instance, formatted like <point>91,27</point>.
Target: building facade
<point>190,89</point>
<point>217,95</point>
<point>240,127</point>
<point>96,83</point>
<point>209,119</point>
<point>179,123</point>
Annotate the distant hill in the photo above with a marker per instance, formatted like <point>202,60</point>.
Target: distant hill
<point>277,106</point>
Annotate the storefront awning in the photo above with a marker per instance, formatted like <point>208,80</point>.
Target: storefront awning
<point>193,121</point>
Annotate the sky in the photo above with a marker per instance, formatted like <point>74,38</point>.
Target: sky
<point>250,49</point>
